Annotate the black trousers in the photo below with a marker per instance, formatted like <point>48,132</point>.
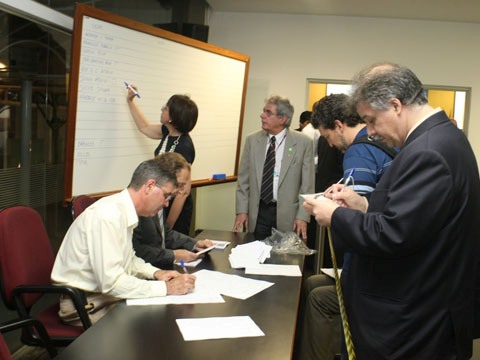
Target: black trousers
<point>266,220</point>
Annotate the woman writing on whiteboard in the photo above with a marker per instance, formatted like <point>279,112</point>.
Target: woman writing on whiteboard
<point>177,119</point>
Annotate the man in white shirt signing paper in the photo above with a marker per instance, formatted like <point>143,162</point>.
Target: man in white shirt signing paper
<point>97,256</point>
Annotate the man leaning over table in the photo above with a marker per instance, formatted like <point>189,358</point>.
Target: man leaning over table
<point>410,290</point>
<point>97,256</point>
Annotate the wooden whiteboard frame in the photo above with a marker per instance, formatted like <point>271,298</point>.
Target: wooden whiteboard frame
<point>82,11</point>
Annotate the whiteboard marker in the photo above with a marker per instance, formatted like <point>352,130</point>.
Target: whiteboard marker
<point>132,89</point>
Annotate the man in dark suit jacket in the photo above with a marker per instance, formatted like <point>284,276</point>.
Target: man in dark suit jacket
<point>163,250</point>
<point>160,246</point>
<point>409,293</point>
<point>329,165</point>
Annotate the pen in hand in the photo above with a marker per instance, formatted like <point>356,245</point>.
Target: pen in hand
<point>349,178</point>
<point>329,190</point>
<point>182,264</point>
<point>128,86</point>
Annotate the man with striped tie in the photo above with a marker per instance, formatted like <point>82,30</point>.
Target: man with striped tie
<point>276,166</point>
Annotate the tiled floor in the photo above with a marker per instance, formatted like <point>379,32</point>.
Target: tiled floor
<point>30,353</point>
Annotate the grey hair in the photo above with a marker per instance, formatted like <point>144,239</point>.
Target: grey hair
<point>163,169</point>
<point>379,83</point>
<point>284,107</point>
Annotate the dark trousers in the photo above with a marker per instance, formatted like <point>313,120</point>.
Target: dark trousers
<point>320,325</point>
<point>266,220</point>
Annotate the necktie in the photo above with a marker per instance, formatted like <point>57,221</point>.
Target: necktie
<point>158,220</point>
<point>266,193</point>
<point>343,312</point>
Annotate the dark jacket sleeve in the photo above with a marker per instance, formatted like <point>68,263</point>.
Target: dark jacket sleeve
<point>147,244</point>
<point>177,240</point>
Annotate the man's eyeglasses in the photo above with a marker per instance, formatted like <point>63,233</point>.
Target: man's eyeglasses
<point>166,196</point>
<point>269,113</point>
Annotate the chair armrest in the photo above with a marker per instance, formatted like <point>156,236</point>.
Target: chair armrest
<point>18,324</point>
<point>77,296</point>
<point>30,322</point>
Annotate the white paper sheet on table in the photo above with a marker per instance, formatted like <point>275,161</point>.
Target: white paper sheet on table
<point>209,286</point>
<point>203,293</point>
<point>274,269</point>
<point>218,328</point>
<point>231,285</point>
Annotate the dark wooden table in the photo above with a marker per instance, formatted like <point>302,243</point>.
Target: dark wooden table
<point>150,332</point>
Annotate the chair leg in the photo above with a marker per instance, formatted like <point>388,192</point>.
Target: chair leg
<point>52,351</point>
<point>31,325</point>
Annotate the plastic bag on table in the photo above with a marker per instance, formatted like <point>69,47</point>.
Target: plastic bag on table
<point>287,243</point>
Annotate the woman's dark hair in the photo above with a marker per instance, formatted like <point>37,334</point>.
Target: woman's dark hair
<point>183,112</point>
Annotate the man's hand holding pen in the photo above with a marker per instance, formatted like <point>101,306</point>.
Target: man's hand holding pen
<point>349,179</point>
<point>165,275</point>
<point>348,198</point>
<point>322,208</point>
<point>177,284</point>
<point>341,195</point>
<point>182,284</point>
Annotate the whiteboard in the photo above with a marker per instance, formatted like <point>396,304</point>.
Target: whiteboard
<point>103,144</point>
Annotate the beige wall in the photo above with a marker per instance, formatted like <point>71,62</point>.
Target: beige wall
<point>285,50</point>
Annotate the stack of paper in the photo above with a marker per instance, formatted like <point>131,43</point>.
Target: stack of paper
<point>249,254</point>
